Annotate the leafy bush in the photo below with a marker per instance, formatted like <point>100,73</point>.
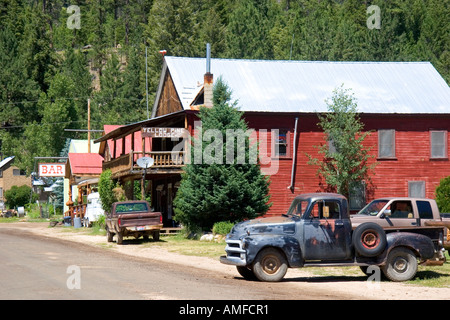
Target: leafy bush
<point>19,196</point>
<point>106,188</point>
<point>443,195</point>
<point>222,227</point>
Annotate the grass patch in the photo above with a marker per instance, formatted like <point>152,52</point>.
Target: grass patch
<point>189,247</point>
<point>436,277</point>
<point>433,277</point>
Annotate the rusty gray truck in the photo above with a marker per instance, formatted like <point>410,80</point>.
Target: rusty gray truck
<point>132,218</point>
<point>317,232</point>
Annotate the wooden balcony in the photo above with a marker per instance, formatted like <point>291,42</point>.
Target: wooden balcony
<point>164,162</point>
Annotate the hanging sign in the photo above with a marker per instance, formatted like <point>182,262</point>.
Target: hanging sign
<point>157,132</point>
<point>52,169</point>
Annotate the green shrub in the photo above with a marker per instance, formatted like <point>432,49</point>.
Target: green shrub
<point>443,195</point>
<point>222,227</point>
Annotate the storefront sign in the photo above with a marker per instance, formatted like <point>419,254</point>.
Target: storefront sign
<point>52,169</point>
<point>156,132</point>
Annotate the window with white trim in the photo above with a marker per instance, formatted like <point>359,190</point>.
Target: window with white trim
<point>438,144</point>
<point>386,144</point>
<point>416,189</point>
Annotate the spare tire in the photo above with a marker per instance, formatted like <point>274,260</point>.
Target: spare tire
<point>369,239</point>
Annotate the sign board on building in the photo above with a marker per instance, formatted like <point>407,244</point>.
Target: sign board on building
<point>52,169</point>
<point>156,132</point>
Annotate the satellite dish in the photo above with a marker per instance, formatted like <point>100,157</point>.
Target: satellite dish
<point>145,162</point>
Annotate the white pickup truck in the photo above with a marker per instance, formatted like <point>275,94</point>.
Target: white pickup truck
<point>395,213</point>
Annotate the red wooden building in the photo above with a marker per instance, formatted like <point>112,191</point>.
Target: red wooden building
<point>406,106</point>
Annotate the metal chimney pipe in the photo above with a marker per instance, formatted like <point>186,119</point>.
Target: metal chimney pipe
<point>208,58</point>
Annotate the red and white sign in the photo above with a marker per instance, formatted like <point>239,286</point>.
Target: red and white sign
<point>52,169</point>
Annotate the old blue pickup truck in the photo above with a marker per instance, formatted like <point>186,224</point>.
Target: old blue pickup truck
<point>317,231</point>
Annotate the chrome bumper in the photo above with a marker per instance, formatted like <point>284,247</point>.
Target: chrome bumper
<point>236,255</point>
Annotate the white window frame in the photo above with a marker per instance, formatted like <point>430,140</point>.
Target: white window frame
<point>443,144</point>
<point>392,155</point>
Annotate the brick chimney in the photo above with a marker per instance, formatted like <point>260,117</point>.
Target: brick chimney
<point>208,80</point>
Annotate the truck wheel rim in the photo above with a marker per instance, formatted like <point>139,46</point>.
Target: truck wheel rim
<point>400,265</point>
<point>270,264</point>
<point>370,239</point>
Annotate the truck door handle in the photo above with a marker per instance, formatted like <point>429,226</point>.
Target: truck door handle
<point>339,223</point>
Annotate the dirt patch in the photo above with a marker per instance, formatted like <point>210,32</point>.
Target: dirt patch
<point>333,287</point>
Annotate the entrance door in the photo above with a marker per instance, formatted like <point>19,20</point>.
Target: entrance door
<point>326,234</point>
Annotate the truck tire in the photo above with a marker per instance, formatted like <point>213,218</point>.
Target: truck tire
<point>109,235</point>
<point>246,272</point>
<point>401,265</point>
<point>369,239</point>
<point>156,236</point>
<point>119,237</point>
<point>270,265</point>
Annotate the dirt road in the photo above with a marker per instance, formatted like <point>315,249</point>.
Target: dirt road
<point>168,275</point>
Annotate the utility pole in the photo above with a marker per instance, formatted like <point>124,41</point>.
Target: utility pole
<point>89,125</point>
<point>146,80</point>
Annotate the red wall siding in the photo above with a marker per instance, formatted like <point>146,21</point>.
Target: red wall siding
<point>391,176</point>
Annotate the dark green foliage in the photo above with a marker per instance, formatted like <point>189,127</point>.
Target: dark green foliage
<point>443,195</point>
<point>105,189</point>
<point>215,187</point>
<point>39,53</point>
<point>18,196</point>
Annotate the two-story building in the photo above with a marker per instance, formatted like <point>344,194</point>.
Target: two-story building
<point>405,106</point>
<point>10,175</point>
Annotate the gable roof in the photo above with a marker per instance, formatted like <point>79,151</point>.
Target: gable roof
<point>81,146</point>
<point>303,86</point>
<point>82,164</point>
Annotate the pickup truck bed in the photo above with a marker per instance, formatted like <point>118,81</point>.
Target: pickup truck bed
<point>132,218</point>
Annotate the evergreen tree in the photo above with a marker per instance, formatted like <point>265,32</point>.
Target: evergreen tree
<point>221,187</point>
<point>247,32</point>
<point>108,98</point>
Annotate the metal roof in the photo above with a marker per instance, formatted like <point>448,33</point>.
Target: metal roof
<point>5,161</point>
<point>303,86</point>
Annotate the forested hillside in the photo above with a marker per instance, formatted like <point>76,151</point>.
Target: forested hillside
<point>52,59</point>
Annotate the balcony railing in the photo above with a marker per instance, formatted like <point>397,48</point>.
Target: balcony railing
<point>170,160</point>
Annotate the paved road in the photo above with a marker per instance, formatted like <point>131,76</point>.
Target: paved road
<point>36,267</point>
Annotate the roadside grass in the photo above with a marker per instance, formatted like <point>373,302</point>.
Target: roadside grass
<point>436,277</point>
<point>180,244</point>
<point>17,219</point>
<point>426,276</point>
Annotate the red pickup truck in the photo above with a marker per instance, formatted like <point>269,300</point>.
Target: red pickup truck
<point>132,218</point>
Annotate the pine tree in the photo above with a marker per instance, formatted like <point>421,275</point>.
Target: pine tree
<point>221,187</point>
<point>247,32</point>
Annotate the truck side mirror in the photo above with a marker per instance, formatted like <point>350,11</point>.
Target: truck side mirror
<point>387,213</point>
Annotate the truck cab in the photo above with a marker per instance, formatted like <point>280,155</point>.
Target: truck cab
<point>398,212</point>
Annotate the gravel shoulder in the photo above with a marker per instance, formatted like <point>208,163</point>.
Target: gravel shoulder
<point>333,287</point>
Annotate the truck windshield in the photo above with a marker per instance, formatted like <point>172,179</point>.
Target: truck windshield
<point>298,207</point>
<point>373,208</point>
<point>131,207</point>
